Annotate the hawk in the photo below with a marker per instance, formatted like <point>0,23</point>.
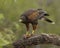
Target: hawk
<point>32,16</point>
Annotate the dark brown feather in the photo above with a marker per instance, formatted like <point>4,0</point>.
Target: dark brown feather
<point>32,16</point>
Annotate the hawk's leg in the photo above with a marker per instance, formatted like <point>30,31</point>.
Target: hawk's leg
<point>27,33</point>
<point>34,28</point>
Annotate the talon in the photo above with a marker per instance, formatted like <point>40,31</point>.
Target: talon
<point>33,32</point>
<point>28,35</point>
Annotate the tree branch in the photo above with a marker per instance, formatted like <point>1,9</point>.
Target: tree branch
<point>37,39</point>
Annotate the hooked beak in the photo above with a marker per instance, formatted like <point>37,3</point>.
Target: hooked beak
<point>20,20</point>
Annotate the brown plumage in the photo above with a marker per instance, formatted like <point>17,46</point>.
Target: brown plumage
<point>31,17</point>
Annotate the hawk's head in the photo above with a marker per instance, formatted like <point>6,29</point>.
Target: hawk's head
<point>42,12</point>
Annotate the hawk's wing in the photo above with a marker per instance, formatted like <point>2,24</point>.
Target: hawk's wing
<point>31,14</point>
<point>28,12</point>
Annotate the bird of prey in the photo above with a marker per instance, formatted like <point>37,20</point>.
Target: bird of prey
<point>32,16</point>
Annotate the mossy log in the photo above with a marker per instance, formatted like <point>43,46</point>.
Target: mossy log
<point>36,39</point>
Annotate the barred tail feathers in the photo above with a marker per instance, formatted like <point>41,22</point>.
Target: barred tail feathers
<point>48,20</point>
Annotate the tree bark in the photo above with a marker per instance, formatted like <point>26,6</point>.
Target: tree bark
<point>36,39</point>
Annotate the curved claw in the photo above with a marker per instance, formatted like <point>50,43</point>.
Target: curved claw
<point>27,35</point>
<point>33,32</point>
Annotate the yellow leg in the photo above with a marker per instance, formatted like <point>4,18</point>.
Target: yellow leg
<point>33,32</point>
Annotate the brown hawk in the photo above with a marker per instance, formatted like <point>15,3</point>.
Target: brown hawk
<point>32,16</point>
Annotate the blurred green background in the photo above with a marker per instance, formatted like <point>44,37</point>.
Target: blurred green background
<point>10,11</point>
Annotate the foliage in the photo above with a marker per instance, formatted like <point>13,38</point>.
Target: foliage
<point>10,11</point>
